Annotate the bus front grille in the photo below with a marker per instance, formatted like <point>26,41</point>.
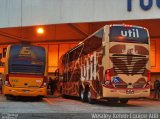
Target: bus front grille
<point>129,64</point>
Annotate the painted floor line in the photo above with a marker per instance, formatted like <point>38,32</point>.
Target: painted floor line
<point>48,101</point>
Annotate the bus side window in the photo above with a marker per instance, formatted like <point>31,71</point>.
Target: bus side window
<point>93,43</point>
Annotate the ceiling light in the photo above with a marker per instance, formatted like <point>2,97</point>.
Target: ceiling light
<point>40,30</point>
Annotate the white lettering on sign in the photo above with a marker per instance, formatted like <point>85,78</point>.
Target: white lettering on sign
<point>134,33</point>
<point>144,4</point>
<point>26,51</point>
<point>88,69</point>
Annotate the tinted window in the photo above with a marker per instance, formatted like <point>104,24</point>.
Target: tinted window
<point>75,54</point>
<point>128,34</point>
<point>89,45</point>
<point>27,59</point>
<point>93,43</point>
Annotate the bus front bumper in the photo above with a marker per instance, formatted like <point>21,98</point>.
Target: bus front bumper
<point>126,93</point>
<point>34,92</point>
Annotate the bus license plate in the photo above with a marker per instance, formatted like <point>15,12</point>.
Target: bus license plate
<point>129,91</point>
<point>26,91</point>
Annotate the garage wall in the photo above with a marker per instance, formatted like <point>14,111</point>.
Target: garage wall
<point>155,55</point>
<point>55,51</point>
<point>37,12</point>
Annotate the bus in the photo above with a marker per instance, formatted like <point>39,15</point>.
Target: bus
<point>25,72</point>
<point>113,64</point>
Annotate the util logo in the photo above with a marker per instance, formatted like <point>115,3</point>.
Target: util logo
<point>88,69</point>
<point>133,33</point>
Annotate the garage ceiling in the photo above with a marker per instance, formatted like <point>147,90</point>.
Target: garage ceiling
<point>67,32</point>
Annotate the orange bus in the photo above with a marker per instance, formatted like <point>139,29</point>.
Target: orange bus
<point>25,72</point>
<point>113,64</point>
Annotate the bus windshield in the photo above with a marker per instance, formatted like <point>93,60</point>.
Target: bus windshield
<point>128,34</point>
<point>27,59</point>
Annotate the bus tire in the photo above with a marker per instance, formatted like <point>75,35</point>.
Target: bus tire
<point>123,101</point>
<point>89,99</point>
<point>83,96</point>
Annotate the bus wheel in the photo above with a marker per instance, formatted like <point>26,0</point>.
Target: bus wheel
<point>89,99</point>
<point>123,101</point>
<point>83,96</point>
